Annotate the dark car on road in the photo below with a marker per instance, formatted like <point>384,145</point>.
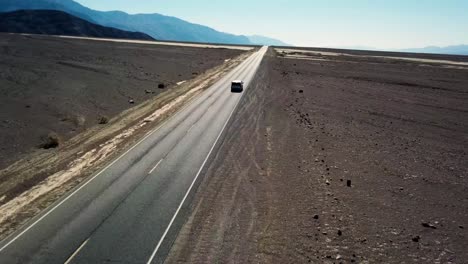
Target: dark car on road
<point>237,86</point>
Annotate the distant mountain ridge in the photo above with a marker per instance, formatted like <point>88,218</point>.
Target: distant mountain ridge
<point>266,41</point>
<point>53,22</point>
<point>449,50</point>
<point>156,25</point>
<point>453,50</point>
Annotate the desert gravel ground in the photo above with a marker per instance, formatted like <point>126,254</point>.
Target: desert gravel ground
<point>64,85</point>
<point>339,160</point>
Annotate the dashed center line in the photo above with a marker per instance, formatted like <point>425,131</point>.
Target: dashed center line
<point>190,128</point>
<point>76,252</point>
<point>157,164</point>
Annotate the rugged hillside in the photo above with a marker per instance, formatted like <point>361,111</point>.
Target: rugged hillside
<point>156,25</point>
<point>52,22</point>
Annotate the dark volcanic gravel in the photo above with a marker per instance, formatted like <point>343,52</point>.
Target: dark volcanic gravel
<point>367,164</point>
<point>49,84</point>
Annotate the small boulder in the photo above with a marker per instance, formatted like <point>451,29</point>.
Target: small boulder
<point>428,225</point>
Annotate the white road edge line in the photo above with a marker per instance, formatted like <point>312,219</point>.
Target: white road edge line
<point>76,252</point>
<point>191,185</point>
<point>157,164</point>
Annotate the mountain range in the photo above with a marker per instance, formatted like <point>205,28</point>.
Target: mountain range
<point>169,28</point>
<point>454,50</point>
<point>266,41</point>
<point>158,26</point>
<point>53,22</point>
<point>450,50</point>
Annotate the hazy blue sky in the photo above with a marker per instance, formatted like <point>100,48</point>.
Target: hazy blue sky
<point>371,23</point>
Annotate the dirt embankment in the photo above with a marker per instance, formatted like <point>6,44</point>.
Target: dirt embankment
<point>50,84</point>
<point>335,161</point>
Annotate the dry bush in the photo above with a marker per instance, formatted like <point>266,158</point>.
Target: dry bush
<point>102,120</point>
<point>52,140</point>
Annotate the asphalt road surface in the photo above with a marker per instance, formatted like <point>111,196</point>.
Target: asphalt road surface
<point>124,214</point>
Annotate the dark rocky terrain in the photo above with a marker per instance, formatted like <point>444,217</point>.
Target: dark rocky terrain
<point>53,22</point>
<point>338,160</point>
<point>50,84</point>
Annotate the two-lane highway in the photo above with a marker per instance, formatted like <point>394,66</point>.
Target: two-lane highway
<point>124,213</point>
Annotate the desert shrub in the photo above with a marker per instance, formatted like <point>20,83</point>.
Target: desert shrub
<point>102,120</point>
<point>51,140</point>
